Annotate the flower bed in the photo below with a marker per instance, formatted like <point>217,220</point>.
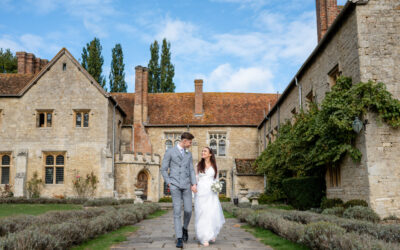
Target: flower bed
<point>86,202</point>
<point>61,230</point>
<point>321,231</point>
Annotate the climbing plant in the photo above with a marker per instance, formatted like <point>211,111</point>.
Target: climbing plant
<point>323,135</point>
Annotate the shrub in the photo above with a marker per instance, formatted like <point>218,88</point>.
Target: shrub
<point>337,211</point>
<point>304,192</point>
<point>322,235</point>
<point>85,187</point>
<point>265,199</point>
<point>101,202</point>
<point>6,192</point>
<point>165,199</point>
<point>34,186</point>
<point>352,203</point>
<point>223,198</point>
<point>361,213</point>
<point>330,203</point>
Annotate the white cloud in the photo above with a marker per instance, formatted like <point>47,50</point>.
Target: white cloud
<point>226,78</point>
<point>30,43</point>
<point>254,4</point>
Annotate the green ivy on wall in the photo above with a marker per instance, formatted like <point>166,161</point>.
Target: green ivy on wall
<point>323,135</point>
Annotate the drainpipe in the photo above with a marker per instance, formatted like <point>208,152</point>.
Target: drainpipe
<point>113,146</point>
<point>299,85</point>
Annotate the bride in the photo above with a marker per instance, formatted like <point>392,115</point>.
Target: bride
<point>209,217</point>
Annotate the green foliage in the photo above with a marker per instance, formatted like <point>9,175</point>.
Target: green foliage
<point>8,62</point>
<point>165,199</point>
<point>6,191</point>
<point>85,187</point>
<point>117,74</point>
<point>167,70</point>
<point>361,213</point>
<point>33,209</point>
<point>92,60</point>
<point>160,78</point>
<point>304,192</point>
<point>352,203</point>
<point>34,186</point>
<point>322,136</point>
<point>223,198</point>
<point>154,82</point>
<point>337,211</point>
<point>330,203</point>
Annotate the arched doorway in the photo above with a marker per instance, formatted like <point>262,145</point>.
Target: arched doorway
<point>142,182</point>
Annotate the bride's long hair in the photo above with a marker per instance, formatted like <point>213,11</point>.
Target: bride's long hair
<point>201,166</point>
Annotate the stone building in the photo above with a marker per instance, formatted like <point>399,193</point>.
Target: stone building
<point>57,121</point>
<point>360,40</point>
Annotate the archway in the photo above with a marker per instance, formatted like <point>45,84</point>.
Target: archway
<point>142,182</point>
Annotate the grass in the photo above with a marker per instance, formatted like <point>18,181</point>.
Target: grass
<point>33,209</point>
<point>106,240</point>
<point>269,238</point>
<point>228,215</point>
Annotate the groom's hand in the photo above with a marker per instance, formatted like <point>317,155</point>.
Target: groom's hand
<point>194,188</point>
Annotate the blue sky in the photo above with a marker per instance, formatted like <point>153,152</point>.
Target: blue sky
<point>233,45</point>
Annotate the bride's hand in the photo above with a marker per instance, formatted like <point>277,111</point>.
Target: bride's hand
<point>194,188</point>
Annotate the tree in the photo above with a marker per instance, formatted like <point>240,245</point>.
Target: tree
<point>154,84</point>
<point>167,70</point>
<point>117,74</point>
<point>92,60</point>
<point>8,62</point>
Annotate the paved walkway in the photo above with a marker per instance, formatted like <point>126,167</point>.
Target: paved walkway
<point>158,233</point>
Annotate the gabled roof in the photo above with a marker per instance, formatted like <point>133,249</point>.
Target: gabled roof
<point>220,109</point>
<point>12,84</point>
<point>16,85</point>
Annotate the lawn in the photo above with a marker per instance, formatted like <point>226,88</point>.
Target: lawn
<point>269,238</point>
<point>33,209</point>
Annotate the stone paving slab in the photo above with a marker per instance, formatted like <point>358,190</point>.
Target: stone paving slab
<point>159,233</point>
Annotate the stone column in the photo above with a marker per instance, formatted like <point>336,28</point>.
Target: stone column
<point>21,166</point>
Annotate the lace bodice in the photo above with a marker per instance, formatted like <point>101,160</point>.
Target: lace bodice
<point>208,174</point>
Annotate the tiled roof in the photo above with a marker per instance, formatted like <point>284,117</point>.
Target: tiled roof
<point>246,167</point>
<point>219,108</point>
<point>12,84</point>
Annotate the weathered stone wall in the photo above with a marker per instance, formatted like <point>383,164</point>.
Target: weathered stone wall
<point>127,169</point>
<point>86,149</point>
<point>241,143</point>
<point>378,24</point>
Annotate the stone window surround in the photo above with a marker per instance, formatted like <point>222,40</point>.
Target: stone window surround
<point>223,176</point>
<point>334,178</point>
<point>46,111</point>
<point>54,153</point>
<point>176,137</point>
<point>333,74</point>
<point>82,111</point>
<point>208,141</point>
<point>9,153</point>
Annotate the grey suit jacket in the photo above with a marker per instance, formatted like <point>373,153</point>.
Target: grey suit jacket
<point>181,168</point>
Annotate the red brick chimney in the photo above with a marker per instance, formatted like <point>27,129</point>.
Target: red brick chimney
<point>327,11</point>
<point>141,138</point>
<point>29,64</point>
<point>198,97</point>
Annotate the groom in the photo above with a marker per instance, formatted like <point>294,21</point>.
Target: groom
<point>181,180</point>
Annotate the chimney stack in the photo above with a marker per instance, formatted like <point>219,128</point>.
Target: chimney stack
<point>327,11</point>
<point>198,97</point>
<point>138,108</point>
<point>29,64</point>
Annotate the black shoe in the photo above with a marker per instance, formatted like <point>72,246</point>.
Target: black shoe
<point>179,243</point>
<point>185,235</point>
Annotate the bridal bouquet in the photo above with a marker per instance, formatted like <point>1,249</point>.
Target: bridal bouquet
<point>216,187</point>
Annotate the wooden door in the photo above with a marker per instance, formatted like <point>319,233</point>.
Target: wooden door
<point>142,183</point>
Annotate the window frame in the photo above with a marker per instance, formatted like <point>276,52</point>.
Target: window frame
<point>82,113</point>
<point>218,136</point>
<point>173,136</point>
<point>46,112</point>
<point>54,167</point>
<point>2,154</point>
<point>334,175</point>
<point>333,75</point>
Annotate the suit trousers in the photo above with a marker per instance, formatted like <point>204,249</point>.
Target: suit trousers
<point>178,195</point>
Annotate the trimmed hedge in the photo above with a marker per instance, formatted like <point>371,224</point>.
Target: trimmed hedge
<point>61,230</point>
<point>352,203</point>
<point>304,192</point>
<point>361,213</point>
<point>330,203</point>
<point>86,202</point>
<point>316,235</point>
<point>337,211</point>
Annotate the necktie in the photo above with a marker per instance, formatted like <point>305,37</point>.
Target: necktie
<point>182,151</point>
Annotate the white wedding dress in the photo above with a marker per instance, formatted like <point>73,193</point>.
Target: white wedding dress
<point>209,217</point>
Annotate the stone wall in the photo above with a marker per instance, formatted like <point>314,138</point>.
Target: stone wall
<point>241,143</point>
<point>85,149</point>
<point>379,49</point>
